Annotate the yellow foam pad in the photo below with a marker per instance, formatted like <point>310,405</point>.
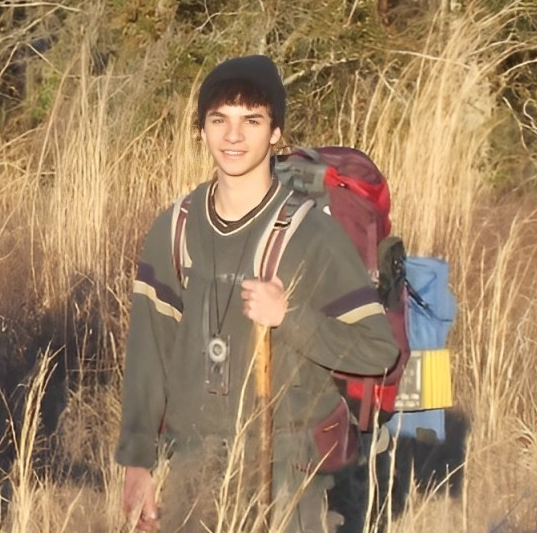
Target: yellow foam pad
<point>436,379</point>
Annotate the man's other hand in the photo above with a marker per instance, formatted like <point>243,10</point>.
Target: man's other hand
<point>139,501</point>
<point>265,302</point>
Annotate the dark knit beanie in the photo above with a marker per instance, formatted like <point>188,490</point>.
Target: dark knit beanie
<point>258,70</point>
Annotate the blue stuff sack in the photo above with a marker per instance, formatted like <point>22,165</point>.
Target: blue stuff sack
<point>431,304</point>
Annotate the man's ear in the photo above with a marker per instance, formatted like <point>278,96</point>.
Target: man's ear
<point>276,136</point>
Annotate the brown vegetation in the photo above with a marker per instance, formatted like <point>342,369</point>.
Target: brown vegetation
<point>100,138</point>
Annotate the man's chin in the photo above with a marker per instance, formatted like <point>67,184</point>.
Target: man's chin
<point>233,173</point>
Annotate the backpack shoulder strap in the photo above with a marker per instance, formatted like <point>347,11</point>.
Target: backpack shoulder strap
<point>292,213</point>
<point>289,217</point>
<point>180,254</point>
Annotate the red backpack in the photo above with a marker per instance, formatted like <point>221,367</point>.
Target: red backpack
<point>346,184</point>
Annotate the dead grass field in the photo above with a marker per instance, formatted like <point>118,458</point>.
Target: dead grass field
<point>78,193</point>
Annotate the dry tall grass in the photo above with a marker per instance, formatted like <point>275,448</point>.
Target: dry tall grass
<point>432,138</point>
<point>78,193</point>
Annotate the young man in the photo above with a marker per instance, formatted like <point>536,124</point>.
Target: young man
<point>190,342</point>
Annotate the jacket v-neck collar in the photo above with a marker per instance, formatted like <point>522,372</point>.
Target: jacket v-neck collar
<point>228,227</point>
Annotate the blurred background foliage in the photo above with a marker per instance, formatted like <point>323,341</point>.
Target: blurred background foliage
<point>331,54</point>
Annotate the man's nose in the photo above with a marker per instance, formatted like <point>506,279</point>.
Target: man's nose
<point>234,132</point>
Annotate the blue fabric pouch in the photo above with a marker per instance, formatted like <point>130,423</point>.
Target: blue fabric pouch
<point>432,306</point>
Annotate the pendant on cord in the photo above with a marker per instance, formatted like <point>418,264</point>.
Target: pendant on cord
<point>217,365</point>
<point>218,350</point>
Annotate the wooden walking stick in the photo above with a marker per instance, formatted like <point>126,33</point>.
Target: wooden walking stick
<point>263,381</point>
<point>263,369</point>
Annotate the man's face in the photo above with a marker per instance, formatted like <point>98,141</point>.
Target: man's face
<point>240,139</point>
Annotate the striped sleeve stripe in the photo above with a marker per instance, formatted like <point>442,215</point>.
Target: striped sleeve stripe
<point>140,287</point>
<point>146,274</point>
<point>365,311</point>
<point>351,301</point>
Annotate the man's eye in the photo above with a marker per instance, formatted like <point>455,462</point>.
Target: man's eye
<point>253,121</point>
